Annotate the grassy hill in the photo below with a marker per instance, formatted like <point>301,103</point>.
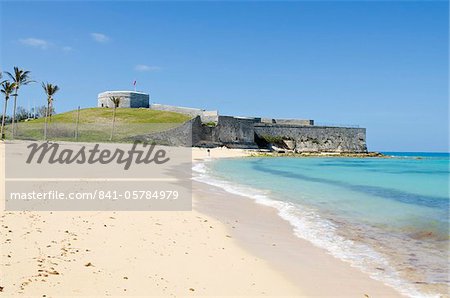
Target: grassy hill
<point>123,115</point>
<point>95,125</point>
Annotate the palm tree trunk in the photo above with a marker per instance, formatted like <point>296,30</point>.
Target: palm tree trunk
<point>14,115</point>
<point>2,136</point>
<point>50,110</point>
<point>45,126</point>
<point>113,122</point>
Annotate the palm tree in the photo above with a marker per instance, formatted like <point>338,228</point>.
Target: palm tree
<point>116,101</point>
<point>50,90</point>
<point>19,77</point>
<point>7,90</point>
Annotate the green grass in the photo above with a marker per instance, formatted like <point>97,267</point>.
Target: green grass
<point>125,115</point>
<point>95,125</point>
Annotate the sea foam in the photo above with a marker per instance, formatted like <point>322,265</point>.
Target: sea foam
<point>309,225</point>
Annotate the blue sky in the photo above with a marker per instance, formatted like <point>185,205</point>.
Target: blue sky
<point>381,65</point>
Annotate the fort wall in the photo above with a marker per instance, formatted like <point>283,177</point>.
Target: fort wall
<point>235,132</point>
<point>315,138</point>
<point>288,121</point>
<point>206,116</point>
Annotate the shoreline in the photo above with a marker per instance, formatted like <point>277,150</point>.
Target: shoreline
<point>320,154</point>
<point>263,232</point>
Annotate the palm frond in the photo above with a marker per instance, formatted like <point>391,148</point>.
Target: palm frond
<point>10,75</point>
<point>7,89</point>
<point>50,89</point>
<point>20,76</point>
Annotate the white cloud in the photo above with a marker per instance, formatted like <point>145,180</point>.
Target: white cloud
<point>99,37</point>
<point>143,68</point>
<point>35,42</point>
<point>67,49</point>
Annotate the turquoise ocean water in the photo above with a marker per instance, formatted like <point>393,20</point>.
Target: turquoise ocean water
<point>388,217</point>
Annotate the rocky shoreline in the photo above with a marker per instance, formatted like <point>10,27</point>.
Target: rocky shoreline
<point>319,154</point>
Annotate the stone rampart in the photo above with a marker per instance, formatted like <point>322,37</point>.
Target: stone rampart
<point>315,138</point>
<point>205,116</point>
<point>288,121</point>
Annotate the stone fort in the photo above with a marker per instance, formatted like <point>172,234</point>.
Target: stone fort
<point>129,99</point>
<point>209,129</point>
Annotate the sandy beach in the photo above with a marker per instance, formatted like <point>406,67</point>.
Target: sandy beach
<point>226,246</point>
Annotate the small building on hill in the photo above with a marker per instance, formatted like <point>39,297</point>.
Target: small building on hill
<point>130,99</point>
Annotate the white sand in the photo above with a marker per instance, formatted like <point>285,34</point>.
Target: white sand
<point>132,253</point>
<point>199,154</point>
